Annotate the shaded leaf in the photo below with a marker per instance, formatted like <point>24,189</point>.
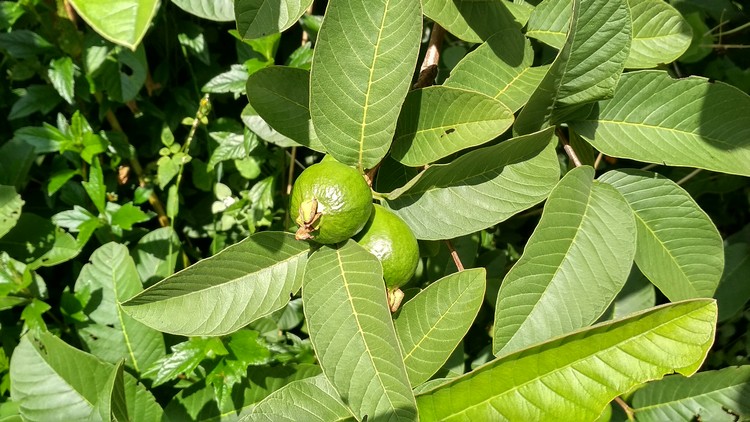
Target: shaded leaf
<point>679,248</point>
<point>364,58</point>
<point>242,283</point>
<point>687,122</point>
<point>432,324</point>
<point>10,208</point>
<point>470,20</point>
<point>479,189</point>
<point>602,362</point>
<point>707,396</point>
<point>734,290</point>
<point>155,255</point>
<point>572,267</point>
<point>437,121</point>
<point>351,330</point>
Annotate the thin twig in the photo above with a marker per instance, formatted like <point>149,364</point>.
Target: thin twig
<point>598,160</point>
<point>741,46</point>
<point>649,167</point>
<point>290,173</point>
<point>429,69</point>
<point>568,149</point>
<point>70,12</point>
<point>454,255</point>
<point>738,29</point>
<point>627,409</point>
<point>136,165</point>
<point>689,176</point>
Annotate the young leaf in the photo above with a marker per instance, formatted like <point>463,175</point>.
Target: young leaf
<point>280,95</point>
<point>588,66</point>
<point>110,334</point>
<point>259,18</point>
<point>437,121</point>
<point>572,267</point>
<point>688,122</point>
<point>706,396</point>
<point>228,290</point>
<point>602,362</point>
<point>479,189</point>
<point>432,323</point>
<point>215,10</point>
<point>469,20</point>
<point>123,22</point>
<point>61,74</point>
<point>54,381</point>
<point>364,58</point>
<point>500,68</point>
<point>679,248</point>
<point>310,399</point>
<point>10,208</point>
<point>352,333</point>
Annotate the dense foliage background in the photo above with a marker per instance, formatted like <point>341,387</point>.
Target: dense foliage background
<point>135,159</point>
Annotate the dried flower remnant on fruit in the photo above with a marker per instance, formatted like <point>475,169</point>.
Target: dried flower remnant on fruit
<point>308,217</point>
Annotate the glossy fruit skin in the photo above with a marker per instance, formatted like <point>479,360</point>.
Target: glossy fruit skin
<point>342,197</point>
<point>388,237</point>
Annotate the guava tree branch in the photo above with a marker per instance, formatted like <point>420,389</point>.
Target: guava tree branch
<point>454,255</point>
<point>568,149</point>
<point>429,69</point>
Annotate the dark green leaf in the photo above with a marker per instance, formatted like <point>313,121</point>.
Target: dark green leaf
<point>10,208</point>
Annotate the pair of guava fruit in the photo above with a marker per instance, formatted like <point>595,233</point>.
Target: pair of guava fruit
<point>332,202</point>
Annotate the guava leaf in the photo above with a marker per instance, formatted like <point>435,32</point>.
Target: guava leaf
<point>687,122</point>
<point>602,362</point>
<point>679,248</point>
<point>215,10</point>
<point>432,323</point>
<point>660,33</point>
<point>259,18</point>
<point>438,121</point>
<point>123,22</point>
<point>55,381</point>
<point>734,290</point>
<point>574,264</point>
<point>708,396</point>
<point>226,291</point>
<point>479,189</point>
<point>311,399</point>
<point>636,295</point>
<point>501,68</point>
<point>587,67</point>
<point>280,95</point>
<point>364,58</point>
<point>110,334</point>
<point>155,255</point>
<point>470,20</point>
<point>351,330</point>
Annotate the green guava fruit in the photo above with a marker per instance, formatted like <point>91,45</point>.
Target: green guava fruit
<point>388,237</point>
<point>330,202</point>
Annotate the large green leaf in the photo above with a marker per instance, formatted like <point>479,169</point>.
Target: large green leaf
<point>688,122</point>
<point>470,20</point>
<point>10,208</point>
<point>310,399</point>
<point>364,59</point>
<point>572,267</point>
<point>587,67</point>
<point>215,10</point>
<point>660,33</point>
<point>437,121</point>
<point>679,248</point>
<point>734,290</point>
<point>351,330</point>
<point>721,395</point>
<point>225,292</point>
<point>280,96</point>
<point>111,334</point>
<point>500,68</point>
<point>54,381</point>
<point>259,18</point>
<point>479,189</point>
<point>432,323</point>
<point>601,362</point>
<point>123,22</point>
